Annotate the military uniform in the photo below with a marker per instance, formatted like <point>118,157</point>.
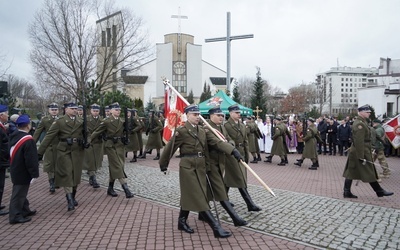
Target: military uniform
<point>134,128</point>
<point>113,129</point>
<point>279,144</point>
<point>310,145</point>
<point>378,139</point>
<point>359,165</point>
<point>154,140</point>
<point>140,136</point>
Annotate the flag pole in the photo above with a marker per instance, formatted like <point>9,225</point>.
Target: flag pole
<point>220,136</point>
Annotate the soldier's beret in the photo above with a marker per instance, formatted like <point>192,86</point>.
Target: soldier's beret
<point>3,108</point>
<point>193,108</point>
<point>23,120</point>
<point>95,106</point>
<point>115,105</point>
<point>53,106</point>
<point>377,121</point>
<point>234,108</point>
<point>365,108</point>
<point>311,119</point>
<point>215,111</point>
<point>70,105</point>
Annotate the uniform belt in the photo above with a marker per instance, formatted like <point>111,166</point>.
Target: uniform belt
<point>199,154</point>
<point>74,140</point>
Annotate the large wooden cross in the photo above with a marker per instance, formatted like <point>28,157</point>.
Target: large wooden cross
<point>257,111</point>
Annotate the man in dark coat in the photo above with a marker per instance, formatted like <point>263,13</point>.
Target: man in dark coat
<point>310,142</point>
<point>50,156</point>
<point>235,173</point>
<point>193,143</point>
<point>322,129</point>
<point>344,135</point>
<point>113,128</point>
<point>134,128</point>
<point>70,154</point>
<point>359,165</point>
<point>332,137</point>
<point>4,153</point>
<point>24,167</point>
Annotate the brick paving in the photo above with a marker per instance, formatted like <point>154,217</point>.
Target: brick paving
<point>309,212</point>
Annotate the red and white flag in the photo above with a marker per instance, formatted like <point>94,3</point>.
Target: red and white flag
<point>392,130</point>
<point>174,113</point>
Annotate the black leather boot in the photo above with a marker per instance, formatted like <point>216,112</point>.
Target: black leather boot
<point>182,224</point>
<point>299,162</point>
<point>73,197</point>
<point>134,159</point>
<point>157,157</point>
<point>258,157</point>
<point>380,192</point>
<point>254,160</point>
<point>346,190</point>
<point>128,193</point>
<point>282,163</point>
<point>219,232</point>
<point>143,156</point>
<point>269,159</point>
<point>95,184</point>
<point>52,186</point>
<point>313,166</point>
<point>140,152</point>
<point>317,164</point>
<point>249,202</point>
<point>237,221</point>
<point>70,202</point>
<point>286,160</point>
<point>200,218</point>
<point>110,190</point>
<point>91,180</point>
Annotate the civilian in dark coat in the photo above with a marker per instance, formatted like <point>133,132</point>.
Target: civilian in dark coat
<point>332,136</point>
<point>344,136</point>
<point>24,167</point>
<point>322,129</point>
<point>4,153</point>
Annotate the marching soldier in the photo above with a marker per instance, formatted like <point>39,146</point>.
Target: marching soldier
<point>94,154</point>
<point>153,131</point>
<point>252,136</point>
<point>134,127</point>
<point>80,111</point>
<point>359,165</point>
<point>217,162</point>
<point>70,153</point>
<point>279,145</point>
<point>310,148</point>
<point>193,143</point>
<point>235,173</point>
<point>139,135</point>
<point>50,156</point>
<point>113,128</point>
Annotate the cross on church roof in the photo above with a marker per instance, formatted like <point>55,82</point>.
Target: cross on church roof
<point>179,16</point>
<point>257,111</point>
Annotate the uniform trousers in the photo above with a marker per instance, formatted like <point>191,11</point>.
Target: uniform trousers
<point>19,204</point>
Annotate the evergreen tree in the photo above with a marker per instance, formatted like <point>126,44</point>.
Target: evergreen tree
<point>258,98</point>
<point>235,93</point>
<point>117,96</point>
<point>150,105</point>
<point>206,93</point>
<point>190,97</point>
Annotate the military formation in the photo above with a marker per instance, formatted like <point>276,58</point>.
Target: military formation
<point>213,154</point>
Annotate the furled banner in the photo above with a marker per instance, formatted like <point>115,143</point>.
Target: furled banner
<point>174,113</point>
<point>392,130</point>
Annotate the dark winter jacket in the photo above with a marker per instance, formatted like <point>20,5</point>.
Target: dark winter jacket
<point>322,129</point>
<point>4,153</point>
<point>344,132</point>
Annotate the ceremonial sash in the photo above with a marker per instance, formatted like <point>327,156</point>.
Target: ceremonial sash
<point>17,145</point>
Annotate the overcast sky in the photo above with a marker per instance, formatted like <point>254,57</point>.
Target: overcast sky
<point>293,40</point>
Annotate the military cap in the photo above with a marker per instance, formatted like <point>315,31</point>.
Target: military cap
<point>53,106</point>
<point>365,108</point>
<point>234,108</point>
<point>193,108</point>
<point>311,119</point>
<point>107,108</point>
<point>377,121</point>
<point>23,120</point>
<point>115,105</point>
<point>216,111</point>
<point>80,107</point>
<point>248,117</point>
<point>70,105</point>
<point>95,106</point>
<point>279,118</point>
<point>3,108</point>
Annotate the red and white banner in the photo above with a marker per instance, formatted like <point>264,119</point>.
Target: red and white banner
<point>392,130</point>
<point>174,113</point>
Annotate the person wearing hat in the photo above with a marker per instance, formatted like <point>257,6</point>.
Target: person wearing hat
<point>80,111</point>
<point>134,128</point>
<point>252,136</point>
<point>279,142</point>
<point>378,141</point>
<point>153,128</point>
<point>11,124</point>
<point>50,156</point>
<point>217,163</point>
<point>24,166</point>
<point>94,153</point>
<point>107,111</point>
<point>235,173</point>
<point>140,135</point>
<point>113,128</point>
<point>70,152</point>
<point>193,142</point>
<point>359,165</point>
<point>310,145</point>
<point>4,153</point>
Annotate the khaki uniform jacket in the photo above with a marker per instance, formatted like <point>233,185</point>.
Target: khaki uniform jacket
<point>70,158</point>
<point>94,154</point>
<point>251,131</point>
<point>360,149</point>
<point>310,143</point>
<point>140,133</point>
<point>278,145</point>
<point>192,140</point>
<point>235,173</point>
<point>50,156</point>
<point>134,127</point>
<point>217,163</point>
<point>113,128</point>
<point>154,141</point>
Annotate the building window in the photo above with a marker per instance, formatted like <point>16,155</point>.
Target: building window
<point>103,39</point>
<point>342,84</point>
<point>351,79</point>
<point>342,90</point>
<point>342,79</point>
<point>108,30</point>
<point>346,90</point>
<point>351,90</point>
<point>351,85</point>
<point>341,100</point>
<point>347,79</point>
<point>350,100</point>
<point>347,84</point>
<point>351,95</point>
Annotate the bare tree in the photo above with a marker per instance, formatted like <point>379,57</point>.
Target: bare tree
<point>70,48</point>
<point>299,99</point>
<point>3,66</point>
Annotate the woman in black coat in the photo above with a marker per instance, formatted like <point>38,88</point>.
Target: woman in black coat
<point>332,136</point>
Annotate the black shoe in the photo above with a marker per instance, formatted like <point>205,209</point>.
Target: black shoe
<point>2,212</point>
<point>218,231</point>
<point>128,193</point>
<point>70,202</point>
<point>95,184</point>
<point>110,190</point>
<point>297,163</point>
<point>31,213</point>
<point>182,224</point>
<point>20,220</point>
<point>52,186</point>
<point>133,159</point>
<point>282,163</point>
<point>313,168</point>
<point>348,194</point>
<point>156,158</point>
<point>384,193</point>
<point>2,207</point>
